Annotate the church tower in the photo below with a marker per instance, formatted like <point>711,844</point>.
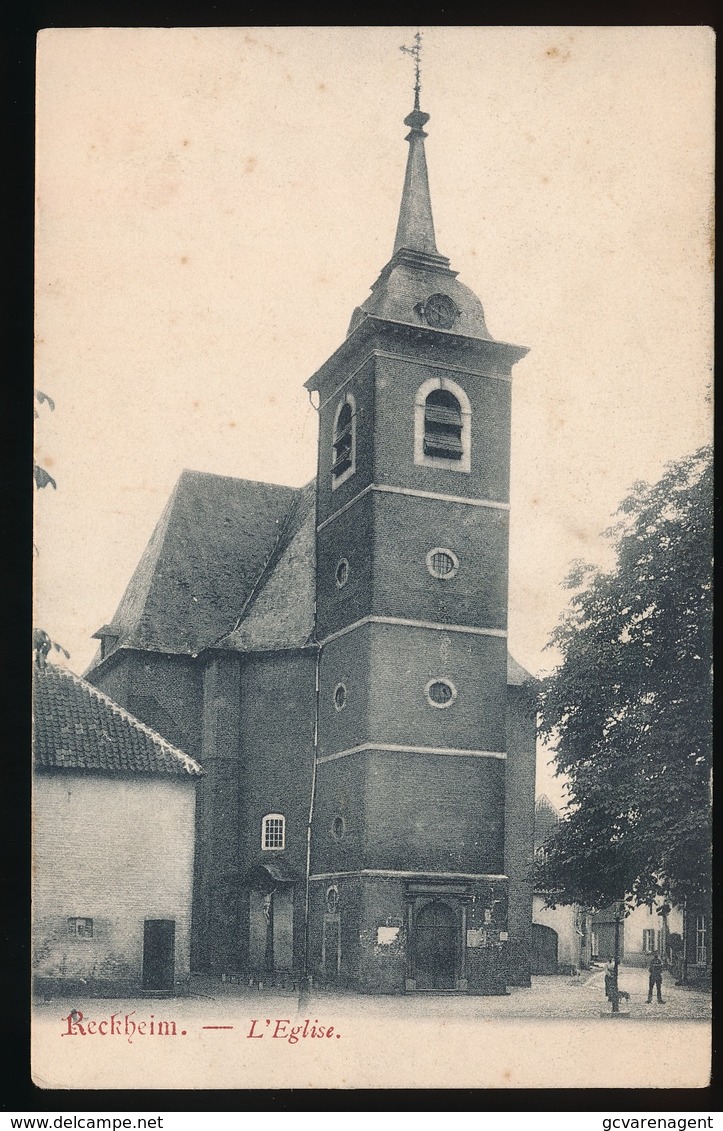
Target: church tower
<point>408,886</point>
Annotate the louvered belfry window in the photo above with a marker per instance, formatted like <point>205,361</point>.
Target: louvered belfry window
<point>442,425</point>
<point>343,442</point>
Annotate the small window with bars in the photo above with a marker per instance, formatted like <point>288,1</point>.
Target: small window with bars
<point>442,563</point>
<point>443,425</point>
<point>344,442</point>
<point>441,693</point>
<point>273,831</point>
<point>80,928</point>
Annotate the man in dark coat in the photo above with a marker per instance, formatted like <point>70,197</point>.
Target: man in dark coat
<point>655,978</point>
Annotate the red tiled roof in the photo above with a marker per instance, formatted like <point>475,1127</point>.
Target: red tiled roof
<point>77,727</point>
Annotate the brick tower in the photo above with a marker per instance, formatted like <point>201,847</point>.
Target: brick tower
<point>408,886</point>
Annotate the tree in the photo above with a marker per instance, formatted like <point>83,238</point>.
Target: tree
<point>40,475</point>
<point>629,707</point>
<point>42,644</point>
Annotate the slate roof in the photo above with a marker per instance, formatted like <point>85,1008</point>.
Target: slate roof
<point>201,565</point>
<point>280,612</point>
<point>231,564</point>
<point>77,727</point>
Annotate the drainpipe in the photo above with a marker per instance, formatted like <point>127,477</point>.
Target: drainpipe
<point>312,799</point>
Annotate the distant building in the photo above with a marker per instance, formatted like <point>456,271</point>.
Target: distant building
<point>560,933</point>
<point>647,930</point>
<point>336,658</point>
<point>113,846</point>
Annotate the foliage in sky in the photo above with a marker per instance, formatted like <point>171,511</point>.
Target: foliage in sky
<point>40,475</point>
<point>42,644</point>
<point>629,707</point>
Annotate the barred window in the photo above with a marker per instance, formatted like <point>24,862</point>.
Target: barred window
<point>273,831</point>
<point>442,563</point>
<point>80,928</point>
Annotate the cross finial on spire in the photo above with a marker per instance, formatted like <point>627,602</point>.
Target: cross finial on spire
<point>415,52</point>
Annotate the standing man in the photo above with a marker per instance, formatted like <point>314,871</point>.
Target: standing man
<point>655,978</point>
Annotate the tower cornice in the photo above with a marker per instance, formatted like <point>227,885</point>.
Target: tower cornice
<point>433,345</point>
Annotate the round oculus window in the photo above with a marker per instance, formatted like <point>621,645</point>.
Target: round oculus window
<point>339,696</point>
<point>441,693</point>
<point>342,573</point>
<point>442,563</point>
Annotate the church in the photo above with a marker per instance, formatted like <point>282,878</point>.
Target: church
<point>334,657</point>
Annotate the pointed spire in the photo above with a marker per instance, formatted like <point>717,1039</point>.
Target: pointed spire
<point>415,230</point>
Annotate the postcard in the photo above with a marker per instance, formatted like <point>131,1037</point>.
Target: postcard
<point>350,342</point>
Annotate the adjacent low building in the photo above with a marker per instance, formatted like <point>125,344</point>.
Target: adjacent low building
<point>113,846</point>
<point>561,933</point>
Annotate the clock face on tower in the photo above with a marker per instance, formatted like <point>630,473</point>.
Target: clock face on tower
<point>440,312</point>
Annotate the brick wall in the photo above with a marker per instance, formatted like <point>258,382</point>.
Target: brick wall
<point>277,755</point>
<point>434,812</point>
<point>361,387</point>
<point>117,850</point>
<point>163,691</point>
<point>520,827</point>
<point>397,385</point>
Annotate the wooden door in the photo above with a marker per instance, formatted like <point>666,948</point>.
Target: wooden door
<point>159,940</point>
<point>435,947</point>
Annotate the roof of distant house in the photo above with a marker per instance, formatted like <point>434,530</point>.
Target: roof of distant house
<point>77,727</point>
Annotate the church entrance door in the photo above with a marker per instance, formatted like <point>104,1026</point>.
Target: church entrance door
<point>435,947</point>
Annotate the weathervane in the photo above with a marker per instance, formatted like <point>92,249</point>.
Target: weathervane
<point>415,52</point>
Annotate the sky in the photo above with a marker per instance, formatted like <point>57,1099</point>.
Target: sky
<point>213,203</point>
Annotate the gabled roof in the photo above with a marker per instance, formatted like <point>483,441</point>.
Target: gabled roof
<point>230,565</point>
<point>77,727</point>
<point>201,565</point>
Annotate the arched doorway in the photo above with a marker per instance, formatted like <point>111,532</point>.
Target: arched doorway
<point>544,949</point>
<point>435,947</point>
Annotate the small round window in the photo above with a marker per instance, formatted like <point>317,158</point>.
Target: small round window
<point>441,693</point>
<point>342,573</point>
<point>340,696</point>
<point>338,828</point>
<point>442,562</point>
